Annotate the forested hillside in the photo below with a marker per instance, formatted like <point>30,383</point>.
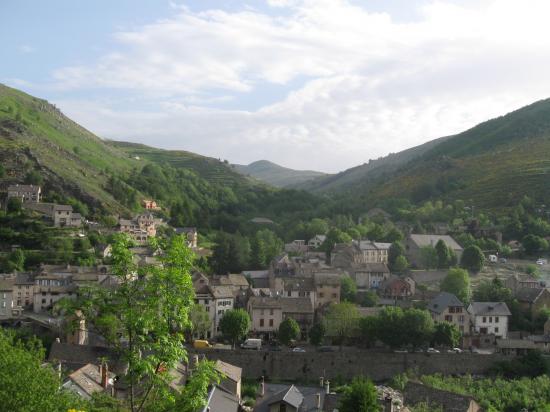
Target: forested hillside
<point>275,175</point>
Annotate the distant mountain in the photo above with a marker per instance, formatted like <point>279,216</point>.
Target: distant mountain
<point>493,165</point>
<point>276,175</point>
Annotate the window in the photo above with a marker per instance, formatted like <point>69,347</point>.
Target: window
<point>334,295</point>
<point>321,295</point>
<point>289,293</point>
<point>496,330</point>
<point>282,407</point>
<point>208,308</point>
<point>484,319</point>
<point>461,319</point>
<point>448,318</point>
<point>490,319</point>
<point>496,319</point>
<point>44,301</point>
<point>261,323</point>
<point>270,322</point>
<point>451,309</point>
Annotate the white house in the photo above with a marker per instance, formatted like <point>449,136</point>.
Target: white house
<point>316,241</point>
<point>216,300</point>
<point>490,318</point>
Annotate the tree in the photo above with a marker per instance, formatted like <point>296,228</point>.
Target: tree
<point>443,254</point>
<point>14,205</point>
<point>472,258</point>
<point>428,257</point>
<point>200,321</point>
<point>26,385</point>
<point>289,330</point>
<point>359,396</point>
<point>534,244</point>
<point>418,327</point>
<point>396,250</point>
<point>317,334</point>
<point>334,236</point>
<point>146,314</point>
<point>265,246</point>
<point>457,282</point>
<point>446,334</point>
<point>492,291</point>
<point>34,178</point>
<point>390,326</point>
<point>368,327</point>
<point>341,320</point>
<point>235,324</point>
<point>16,261</point>
<point>348,289</point>
<point>371,299</point>
<point>401,264</point>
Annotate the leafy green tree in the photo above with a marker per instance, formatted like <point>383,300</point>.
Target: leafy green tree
<point>342,321</point>
<point>14,205</point>
<point>443,254</point>
<point>231,253</point>
<point>396,250</point>
<point>26,385</point>
<point>492,291</point>
<point>369,330</point>
<point>446,334</point>
<point>401,264</point>
<point>371,299</point>
<point>418,327</point>
<point>289,330</point>
<point>200,321</point>
<point>457,282</point>
<point>265,246</point>
<point>34,178</point>
<point>532,270</point>
<point>534,244</point>
<point>146,314</point>
<point>428,257</point>
<point>334,236</point>
<point>317,334</point>
<point>391,327</point>
<point>348,289</point>
<point>472,258</point>
<point>359,396</point>
<point>235,324</point>
<point>16,261</point>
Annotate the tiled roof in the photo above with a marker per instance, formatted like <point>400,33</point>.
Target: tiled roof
<point>529,294</point>
<point>88,378</point>
<point>489,308</point>
<point>230,371</point>
<point>431,240</point>
<point>442,301</point>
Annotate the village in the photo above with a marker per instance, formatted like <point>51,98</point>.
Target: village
<point>335,292</point>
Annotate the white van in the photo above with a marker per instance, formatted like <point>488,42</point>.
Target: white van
<point>493,258</point>
<point>252,344</point>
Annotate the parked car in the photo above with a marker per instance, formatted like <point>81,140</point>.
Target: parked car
<point>201,344</point>
<point>432,350</point>
<point>325,349</point>
<point>252,344</point>
<point>455,350</point>
<point>400,351</point>
<point>542,262</point>
<point>298,349</point>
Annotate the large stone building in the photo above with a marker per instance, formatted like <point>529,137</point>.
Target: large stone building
<point>414,243</point>
<point>446,307</point>
<point>26,193</point>
<point>216,300</point>
<point>489,318</point>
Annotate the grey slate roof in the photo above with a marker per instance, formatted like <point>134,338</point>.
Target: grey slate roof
<point>443,301</point>
<point>529,294</point>
<point>292,394</point>
<point>221,401</point>
<point>431,240</point>
<point>230,371</point>
<point>489,308</point>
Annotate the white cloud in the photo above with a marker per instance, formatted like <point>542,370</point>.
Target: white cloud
<point>26,49</point>
<point>374,85</point>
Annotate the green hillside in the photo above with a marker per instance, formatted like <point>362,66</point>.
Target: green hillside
<point>38,141</point>
<point>275,175</point>
<point>492,165</point>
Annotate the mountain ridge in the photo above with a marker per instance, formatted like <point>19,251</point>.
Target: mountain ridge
<point>276,175</point>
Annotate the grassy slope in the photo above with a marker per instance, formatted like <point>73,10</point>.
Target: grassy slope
<point>276,175</point>
<point>493,164</point>
<point>77,162</point>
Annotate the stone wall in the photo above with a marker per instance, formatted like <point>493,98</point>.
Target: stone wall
<point>376,365</point>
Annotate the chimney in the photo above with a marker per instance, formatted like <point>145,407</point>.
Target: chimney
<point>327,387</point>
<point>104,369</point>
<point>321,382</point>
<point>319,401</point>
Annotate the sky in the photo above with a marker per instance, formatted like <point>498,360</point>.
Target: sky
<point>308,84</point>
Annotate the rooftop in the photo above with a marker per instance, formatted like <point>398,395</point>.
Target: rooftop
<point>489,308</point>
<point>442,301</point>
<point>431,240</point>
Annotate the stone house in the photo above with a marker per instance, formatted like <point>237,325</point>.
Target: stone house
<point>316,241</point>
<point>60,215</point>
<point>49,288</point>
<point>327,288</point>
<point>26,193</point>
<point>191,234</point>
<point>149,204</point>
<point>489,318</point>
<point>533,300</point>
<point>296,246</point>
<point>517,282</point>
<point>216,300</point>
<point>415,242</point>
<point>6,297</point>
<point>267,313</point>
<point>397,288</point>
<point>232,380</point>
<point>370,275</point>
<point>446,307</point>
<point>296,288</point>
<point>345,255</point>
<point>23,290</point>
